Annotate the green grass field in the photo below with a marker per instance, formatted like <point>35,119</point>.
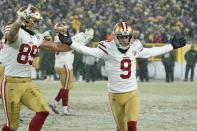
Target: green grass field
<point>164,107</point>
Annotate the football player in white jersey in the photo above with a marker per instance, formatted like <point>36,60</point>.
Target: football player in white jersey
<point>120,64</point>
<point>21,46</point>
<point>64,67</point>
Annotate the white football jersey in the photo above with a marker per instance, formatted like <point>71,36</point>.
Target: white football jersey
<point>121,68</point>
<point>64,58</point>
<point>19,55</point>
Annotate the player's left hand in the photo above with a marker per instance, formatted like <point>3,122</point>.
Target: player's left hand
<point>26,14</point>
<point>178,41</point>
<point>65,39</point>
<point>89,34</point>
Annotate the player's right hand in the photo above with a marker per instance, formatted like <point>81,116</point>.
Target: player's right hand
<point>65,39</point>
<point>24,15</point>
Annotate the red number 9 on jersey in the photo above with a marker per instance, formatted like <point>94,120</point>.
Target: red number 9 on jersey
<point>125,65</point>
<point>24,51</point>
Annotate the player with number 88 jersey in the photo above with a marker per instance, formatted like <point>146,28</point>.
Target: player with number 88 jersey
<point>120,64</point>
<point>20,54</point>
<point>21,46</point>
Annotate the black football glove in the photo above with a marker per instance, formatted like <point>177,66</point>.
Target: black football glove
<point>178,41</point>
<point>65,39</point>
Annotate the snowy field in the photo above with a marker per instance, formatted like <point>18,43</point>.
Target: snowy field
<point>164,107</point>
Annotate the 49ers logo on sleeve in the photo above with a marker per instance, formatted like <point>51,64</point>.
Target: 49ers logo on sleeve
<point>26,54</point>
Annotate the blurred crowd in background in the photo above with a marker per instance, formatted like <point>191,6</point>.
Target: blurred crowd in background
<point>151,18</point>
<point>153,21</point>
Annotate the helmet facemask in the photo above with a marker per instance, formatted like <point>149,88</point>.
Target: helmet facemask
<point>122,35</point>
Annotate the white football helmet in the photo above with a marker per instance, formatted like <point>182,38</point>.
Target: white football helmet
<point>121,30</point>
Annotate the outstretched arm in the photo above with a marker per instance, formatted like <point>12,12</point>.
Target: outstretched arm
<point>155,51</point>
<point>87,50</point>
<point>178,41</point>
<point>54,46</point>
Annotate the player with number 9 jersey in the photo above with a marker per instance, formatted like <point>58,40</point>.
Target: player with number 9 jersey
<point>120,65</point>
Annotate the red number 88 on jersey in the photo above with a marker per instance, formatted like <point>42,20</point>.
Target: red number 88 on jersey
<point>26,54</point>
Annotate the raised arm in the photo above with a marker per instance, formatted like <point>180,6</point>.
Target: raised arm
<point>178,41</point>
<point>11,31</point>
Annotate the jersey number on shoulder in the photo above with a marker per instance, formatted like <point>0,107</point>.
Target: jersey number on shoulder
<point>24,52</point>
<point>125,65</point>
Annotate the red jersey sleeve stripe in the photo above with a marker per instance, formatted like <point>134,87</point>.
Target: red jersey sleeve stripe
<point>141,49</point>
<point>103,50</point>
<point>102,45</point>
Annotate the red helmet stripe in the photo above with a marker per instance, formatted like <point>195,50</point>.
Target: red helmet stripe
<point>124,26</point>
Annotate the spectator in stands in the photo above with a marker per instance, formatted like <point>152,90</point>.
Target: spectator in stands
<point>191,59</point>
<point>168,61</point>
<point>92,14</point>
<point>76,23</point>
<point>109,36</point>
<point>157,38</point>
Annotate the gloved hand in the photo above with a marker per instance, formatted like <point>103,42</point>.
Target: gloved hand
<point>79,38</point>
<point>89,34</point>
<point>24,15</point>
<point>83,38</point>
<point>65,39</point>
<point>178,41</point>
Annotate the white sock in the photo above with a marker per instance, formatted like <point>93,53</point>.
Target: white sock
<point>65,107</point>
